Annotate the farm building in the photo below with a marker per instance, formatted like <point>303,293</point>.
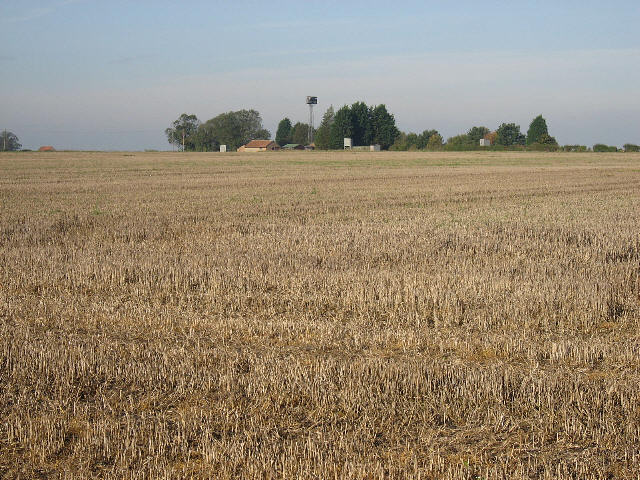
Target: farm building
<point>259,146</point>
<point>293,146</point>
<point>47,148</point>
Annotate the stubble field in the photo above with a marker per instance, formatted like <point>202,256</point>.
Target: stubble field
<point>315,315</point>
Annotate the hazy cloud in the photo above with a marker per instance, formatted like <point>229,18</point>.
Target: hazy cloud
<point>574,90</point>
<point>38,12</point>
<point>128,60</point>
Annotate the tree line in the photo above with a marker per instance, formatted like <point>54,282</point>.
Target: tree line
<point>365,125</point>
<point>507,135</point>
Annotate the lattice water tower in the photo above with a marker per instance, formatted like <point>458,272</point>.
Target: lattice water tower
<point>311,101</point>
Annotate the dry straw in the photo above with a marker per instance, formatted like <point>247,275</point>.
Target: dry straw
<point>310,315</point>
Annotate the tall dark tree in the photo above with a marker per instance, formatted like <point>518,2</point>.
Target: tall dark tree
<point>537,129</point>
<point>341,128</point>
<point>476,134</point>
<point>9,142</point>
<point>323,135</point>
<point>300,133</point>
<point>508,134</point>
<point>283,135</point>
<point>361,118</point>
<point>364,125</point>
<point>182,131</point>
<point>383,127</point>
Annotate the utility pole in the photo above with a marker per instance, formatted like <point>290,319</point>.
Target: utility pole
<point>4,138</point>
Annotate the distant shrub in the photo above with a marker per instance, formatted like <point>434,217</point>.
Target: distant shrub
<point>543,147</point>
<point>630,147</point>
<point>456,147</point>
<point>601,147</point>
<point>575,148</point>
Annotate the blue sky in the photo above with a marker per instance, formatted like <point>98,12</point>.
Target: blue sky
<point>87,74</point>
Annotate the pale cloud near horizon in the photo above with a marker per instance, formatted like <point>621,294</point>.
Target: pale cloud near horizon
<point>38,12</point>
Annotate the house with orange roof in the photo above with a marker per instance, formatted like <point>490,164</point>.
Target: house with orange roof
<point>259,146</point>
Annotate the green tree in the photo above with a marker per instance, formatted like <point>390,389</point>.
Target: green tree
<point>376,125</point>
<point>383,127</point>
<point>250,126</point>
<point>545,143</point>
<point>235,129</point>
<point>508,134</point>
<point>361,121</point>
<point>182,131</point>
<point>546,139</point>
<point>630,147</point>
<point>601,147</point>
<point>435,142</point>
<point>283,134</point>
<point>341,128</point>
<point>323,135</point>
<point>537,129</point>
<point>300,133</point>
<point>400,144</point>
<point>412,141</point>
<point>204,139</point>
<point>423,138</point>
<point>461,142</point>
<point>9,142</point>
<point>475,134</point>
<point>224,129</point>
